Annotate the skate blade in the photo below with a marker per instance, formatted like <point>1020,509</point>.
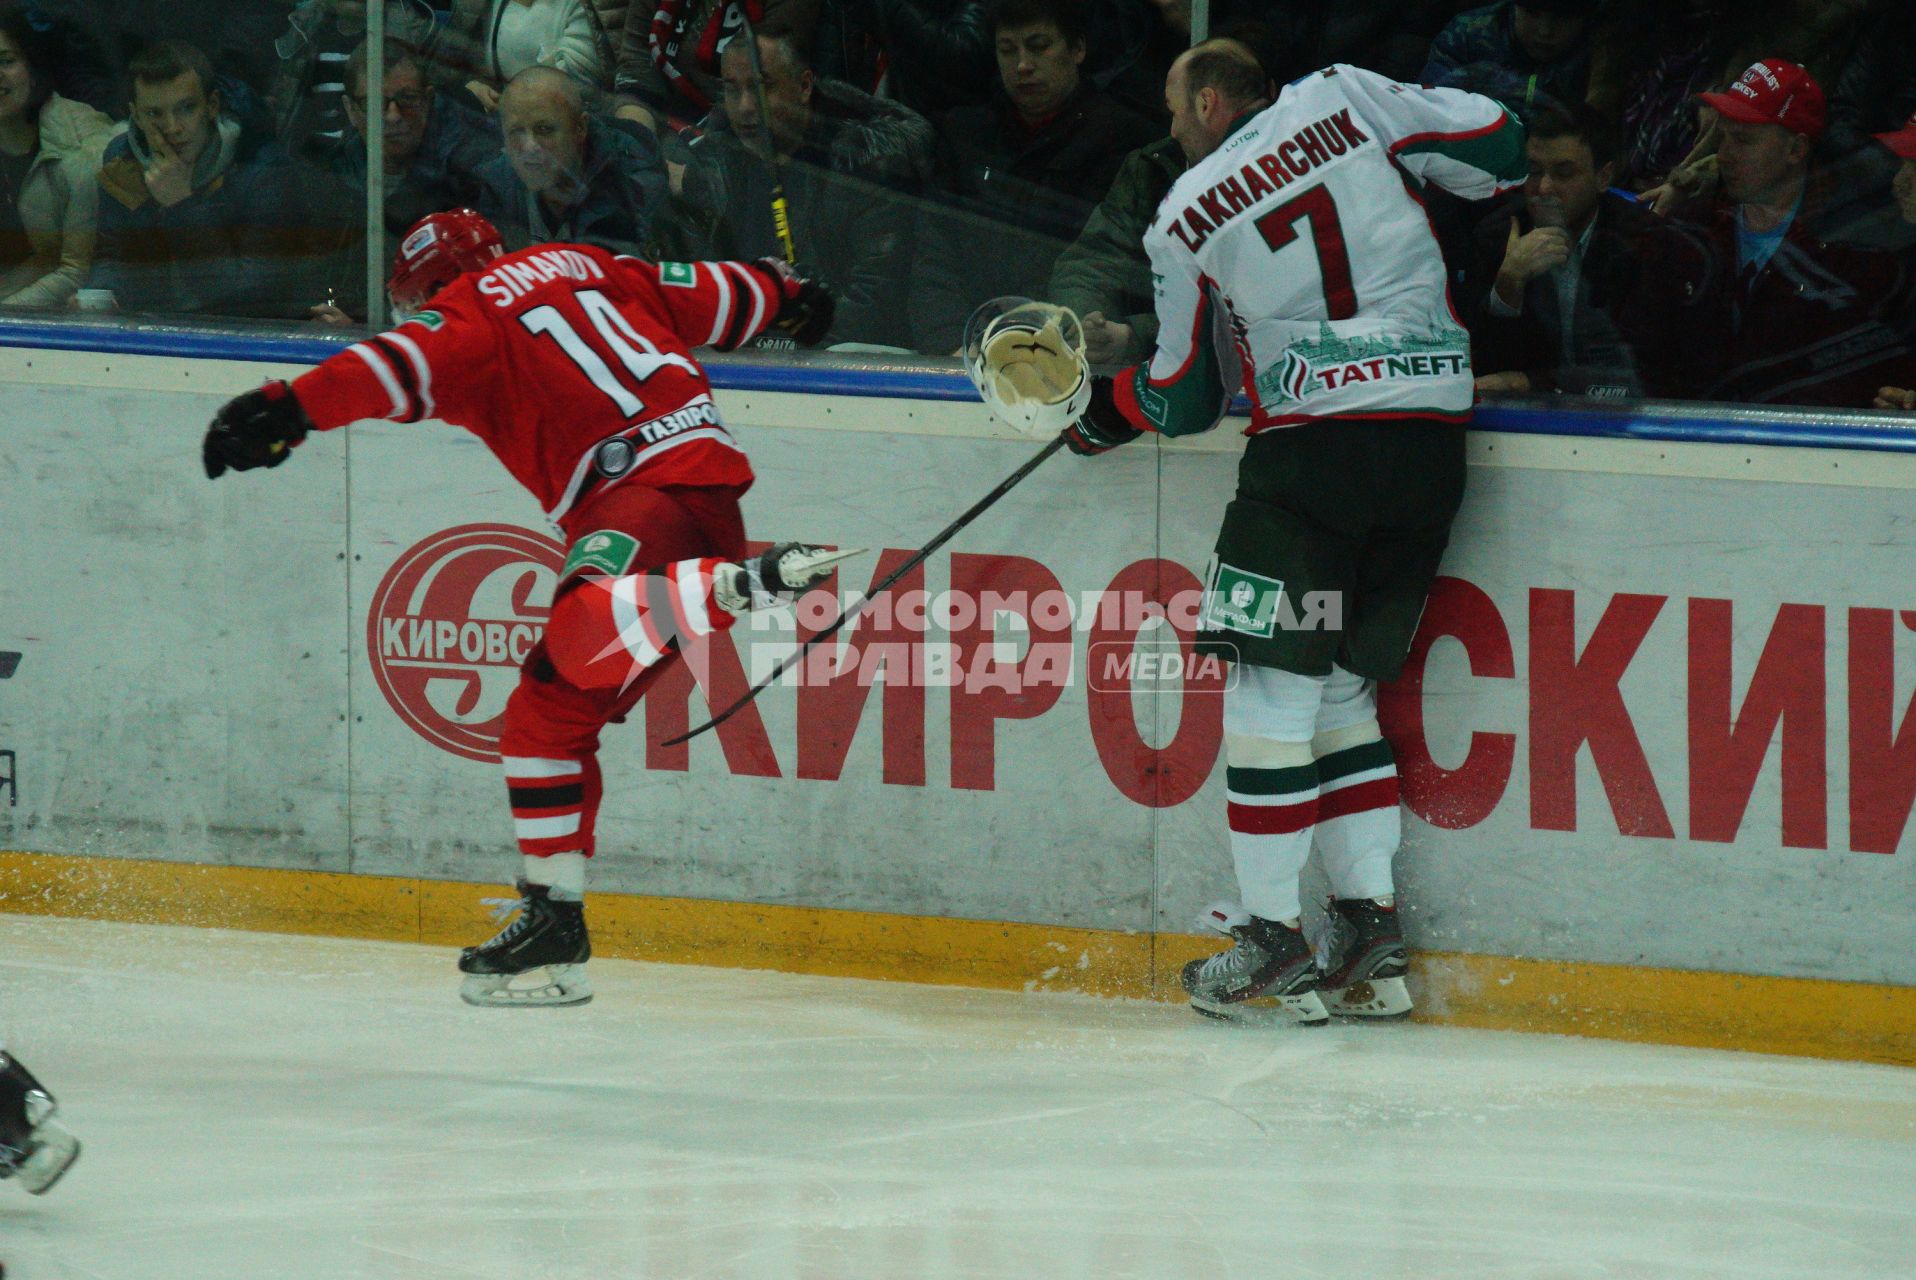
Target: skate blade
<point>55,1149</point>
<point>1305,1010</point>
<point>822,560</point>
<point>1376,998</point>
<point>564,984</point>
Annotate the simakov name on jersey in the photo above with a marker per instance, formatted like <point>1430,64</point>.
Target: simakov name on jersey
<point>1310,148</point>
<point>510,281</point>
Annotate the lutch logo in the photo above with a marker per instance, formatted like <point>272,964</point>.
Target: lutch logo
<point>451,622</point>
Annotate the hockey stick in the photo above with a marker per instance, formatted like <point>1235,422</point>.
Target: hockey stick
<point>945,535</point>
<point>781,213</point>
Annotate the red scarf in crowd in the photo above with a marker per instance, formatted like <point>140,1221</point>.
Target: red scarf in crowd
<point>668,34</point>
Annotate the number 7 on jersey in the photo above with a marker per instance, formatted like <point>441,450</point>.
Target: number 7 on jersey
<point>1279,228</point>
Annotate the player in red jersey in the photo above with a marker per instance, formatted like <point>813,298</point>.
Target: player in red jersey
<point>574,365</point>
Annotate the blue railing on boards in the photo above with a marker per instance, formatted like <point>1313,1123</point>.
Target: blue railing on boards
<point>918,379</point>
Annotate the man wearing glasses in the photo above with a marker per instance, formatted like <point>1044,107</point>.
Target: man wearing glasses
<point>434,145</point>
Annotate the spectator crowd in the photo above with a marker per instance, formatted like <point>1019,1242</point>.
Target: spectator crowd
<point>1721,202</point>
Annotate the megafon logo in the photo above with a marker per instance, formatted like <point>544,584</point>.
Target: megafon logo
<point>449,625</point>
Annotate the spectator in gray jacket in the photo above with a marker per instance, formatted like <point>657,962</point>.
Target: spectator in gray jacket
<point>49,153</point>
<point>1104,274</point>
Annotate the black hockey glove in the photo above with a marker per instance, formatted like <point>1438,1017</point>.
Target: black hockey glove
<point>1101,428</point>
<point>258,429</point>
<point>806,312</point>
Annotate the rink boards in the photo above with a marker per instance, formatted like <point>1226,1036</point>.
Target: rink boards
<point>1654,734</point>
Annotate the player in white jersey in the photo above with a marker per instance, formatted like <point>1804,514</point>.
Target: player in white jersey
<point>1294,258</point>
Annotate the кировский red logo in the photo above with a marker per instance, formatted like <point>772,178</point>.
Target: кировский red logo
<point>449,625</point>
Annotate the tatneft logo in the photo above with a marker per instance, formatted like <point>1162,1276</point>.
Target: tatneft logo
<point>451,622</point>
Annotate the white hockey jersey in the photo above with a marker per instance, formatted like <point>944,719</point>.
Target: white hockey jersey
<point>1298,258</point>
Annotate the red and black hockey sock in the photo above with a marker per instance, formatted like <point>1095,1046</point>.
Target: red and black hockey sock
<point>555,803</point>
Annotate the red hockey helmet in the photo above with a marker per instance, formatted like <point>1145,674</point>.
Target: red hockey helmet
<point>439,249</point>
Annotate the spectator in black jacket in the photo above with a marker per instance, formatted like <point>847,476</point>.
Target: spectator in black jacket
<point>1022,174</point>
<point>851,165</point>
<point>1525,53</point>
<point>1876,88</point>
<point>1549,269</point>
<point>931,55</point>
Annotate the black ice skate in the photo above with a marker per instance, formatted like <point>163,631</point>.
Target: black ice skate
<point>548,941</point>
<point>1267,961</point>
<point>34,1147</point>
<point>777,577</point>
<point>1365,961</point>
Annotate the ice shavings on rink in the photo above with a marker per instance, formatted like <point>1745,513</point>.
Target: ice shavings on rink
<point>257,1106</point>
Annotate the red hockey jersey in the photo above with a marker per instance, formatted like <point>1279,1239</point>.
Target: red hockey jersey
<point>573,364</point>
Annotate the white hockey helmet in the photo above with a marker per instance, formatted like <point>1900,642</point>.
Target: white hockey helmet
<point>1027,360</point>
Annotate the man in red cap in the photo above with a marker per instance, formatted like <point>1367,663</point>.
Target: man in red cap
<point>1901,143</point>
<point>1743,296</point>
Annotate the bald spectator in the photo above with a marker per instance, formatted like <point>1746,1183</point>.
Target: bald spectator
<point>851,163</point>
<point>566,175</point>
<point>1104,275</point>
<point>1740,297</point>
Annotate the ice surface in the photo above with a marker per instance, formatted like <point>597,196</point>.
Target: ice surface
<point>259,1107</point>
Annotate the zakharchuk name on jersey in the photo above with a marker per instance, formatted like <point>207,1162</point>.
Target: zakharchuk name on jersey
<point>1311,147</point>
<point>1332,361</point>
